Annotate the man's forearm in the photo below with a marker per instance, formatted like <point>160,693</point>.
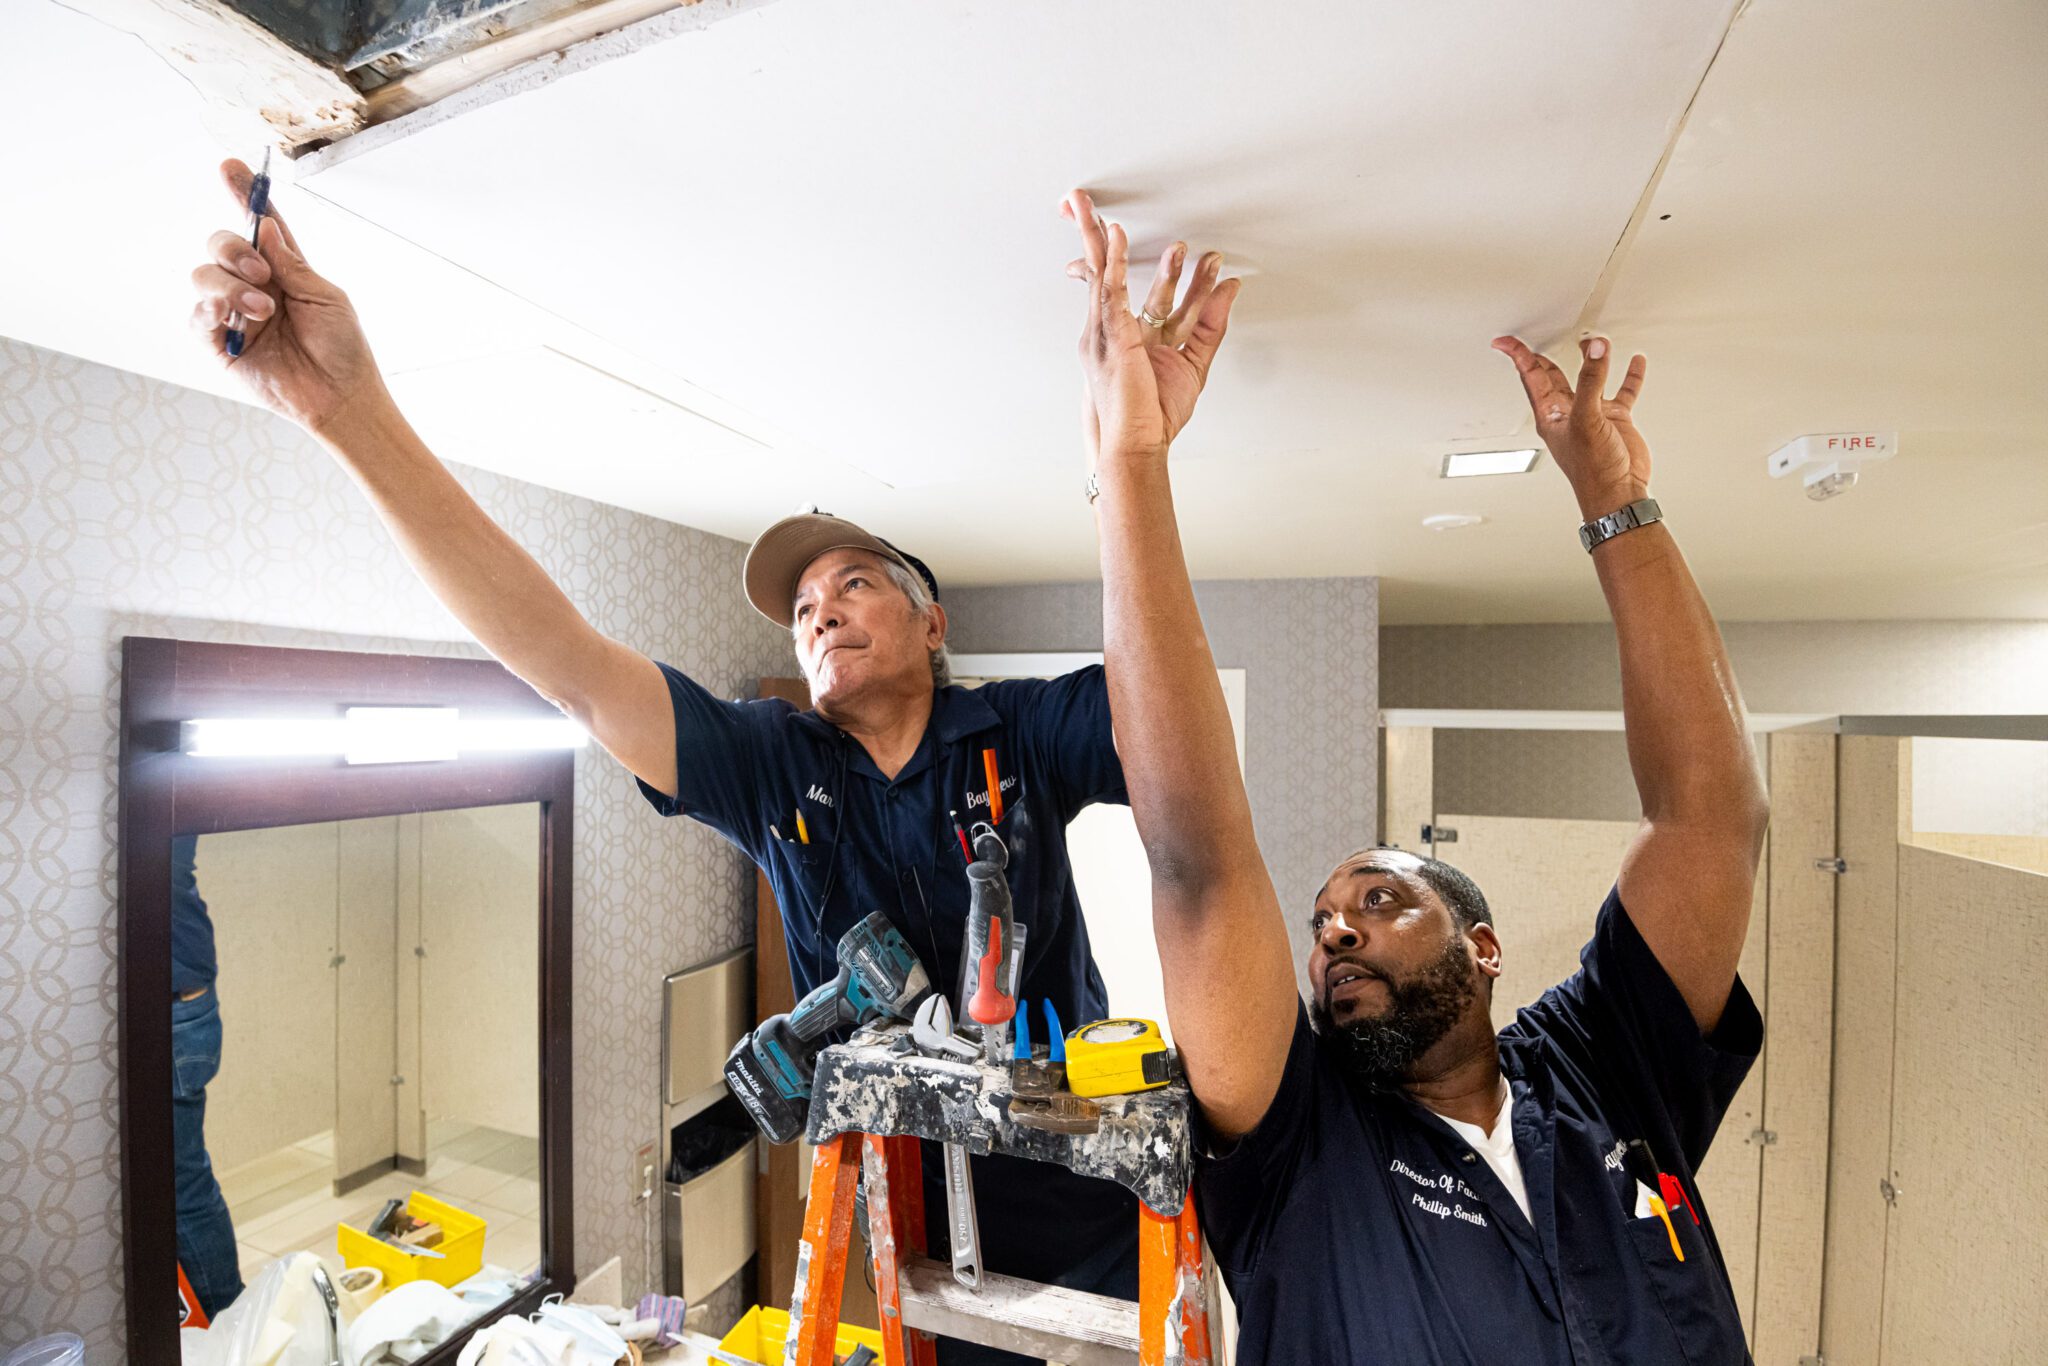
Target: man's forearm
<point>1173,727</point>
<point>1688,740</point>
<point>492,586</point>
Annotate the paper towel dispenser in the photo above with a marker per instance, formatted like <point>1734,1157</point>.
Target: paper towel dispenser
<point>705,1009</point>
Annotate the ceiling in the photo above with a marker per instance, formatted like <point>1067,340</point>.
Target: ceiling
<point>811,253</point>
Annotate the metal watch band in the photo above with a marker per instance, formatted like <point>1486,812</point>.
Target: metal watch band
<point>1642,512</point>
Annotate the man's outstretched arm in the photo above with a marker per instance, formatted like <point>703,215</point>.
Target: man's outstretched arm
<point>306,358</point>
<point>1689,874</point>
<point>1222,946</point>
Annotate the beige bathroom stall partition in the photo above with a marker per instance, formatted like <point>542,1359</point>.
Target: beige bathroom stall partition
<point>272,896</point>
<point>373,973</point>
<point>1936,1249</point>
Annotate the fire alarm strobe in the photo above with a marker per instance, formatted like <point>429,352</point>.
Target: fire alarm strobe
<point>1830,462</point>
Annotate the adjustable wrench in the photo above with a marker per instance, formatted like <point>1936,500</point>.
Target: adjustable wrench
<point>963,1228</point>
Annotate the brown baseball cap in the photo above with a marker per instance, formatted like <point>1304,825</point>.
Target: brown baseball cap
<point>779,556</point>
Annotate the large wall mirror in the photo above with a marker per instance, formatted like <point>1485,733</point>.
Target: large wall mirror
<point>345,1000</point>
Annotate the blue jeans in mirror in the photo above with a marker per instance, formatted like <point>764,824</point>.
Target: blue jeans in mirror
<point>206,1236</point>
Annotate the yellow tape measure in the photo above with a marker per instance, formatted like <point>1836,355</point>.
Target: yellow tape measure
<point>1111,1057</point>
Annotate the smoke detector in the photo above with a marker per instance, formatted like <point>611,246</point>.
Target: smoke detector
<point>1829,463</point>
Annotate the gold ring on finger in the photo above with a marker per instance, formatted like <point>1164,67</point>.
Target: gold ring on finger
<point>1145,317</point>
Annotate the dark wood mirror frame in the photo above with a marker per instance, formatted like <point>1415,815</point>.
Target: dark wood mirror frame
<point>164,792</point>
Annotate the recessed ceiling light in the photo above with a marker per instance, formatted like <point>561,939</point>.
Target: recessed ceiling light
<point>1451,521</point>
<point>1467,464</point>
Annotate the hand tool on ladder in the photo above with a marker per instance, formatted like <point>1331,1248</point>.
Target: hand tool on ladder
<point>1039,1098</point>
<point>932,1032</point>
<point>990,923</point>
<point>963,1229</point>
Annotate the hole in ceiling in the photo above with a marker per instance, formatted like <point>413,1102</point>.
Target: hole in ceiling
<point>376,41</point>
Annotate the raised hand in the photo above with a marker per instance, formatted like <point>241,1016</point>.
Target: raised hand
<point>1593,438</point>
<point>304,354</point>
<point>1143,372</point>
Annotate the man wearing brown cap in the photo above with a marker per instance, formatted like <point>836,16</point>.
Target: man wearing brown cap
<point>847,807</point>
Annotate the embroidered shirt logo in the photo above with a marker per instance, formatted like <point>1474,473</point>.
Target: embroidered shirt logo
<point>819,795</point>
<point>975,799</point>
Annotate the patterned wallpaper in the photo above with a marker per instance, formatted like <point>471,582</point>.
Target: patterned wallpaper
<point>1310,652</point>
<point>130,506</point>
<point>1822,667</point>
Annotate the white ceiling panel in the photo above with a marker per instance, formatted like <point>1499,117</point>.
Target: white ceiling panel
<point>812,252</point>
<point>842,217</point>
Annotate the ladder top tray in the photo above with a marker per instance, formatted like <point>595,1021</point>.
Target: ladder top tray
<point>872,1084</point>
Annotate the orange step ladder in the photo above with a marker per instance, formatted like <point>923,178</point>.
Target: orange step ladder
<point>1169,1322</point>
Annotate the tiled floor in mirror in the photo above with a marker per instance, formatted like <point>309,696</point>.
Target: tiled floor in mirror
<point>284,1201</point>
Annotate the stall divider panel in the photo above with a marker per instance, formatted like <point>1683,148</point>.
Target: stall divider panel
<point>1876,786</point>
<point>1798,1047</point>
<point>1969,1115</point>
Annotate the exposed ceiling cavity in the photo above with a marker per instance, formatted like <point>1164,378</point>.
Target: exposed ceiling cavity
<point>314,71</point>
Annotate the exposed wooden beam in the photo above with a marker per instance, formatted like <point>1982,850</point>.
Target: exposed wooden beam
<point>430,84</point>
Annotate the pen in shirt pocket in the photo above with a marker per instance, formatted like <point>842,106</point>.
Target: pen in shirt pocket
<point>1641,1164</point>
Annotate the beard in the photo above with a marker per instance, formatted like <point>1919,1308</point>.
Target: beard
<point>1380,1049</point>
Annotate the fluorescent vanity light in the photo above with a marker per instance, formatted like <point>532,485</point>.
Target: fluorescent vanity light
<point>228,738</point>
<point>400,735</point>
<point>1467,464</point>
<point>1452,521</point>
<point>478,736</point>
<point>377,735</point>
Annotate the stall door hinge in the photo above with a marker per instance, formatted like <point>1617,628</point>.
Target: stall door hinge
<point>397,1081</point>
<point>1815,1360</point>
<point>1832,865</point>
<point>1439,834</point>
<point>1888,1191</point>
<point>1765,1137</point>
<point>337,960</point>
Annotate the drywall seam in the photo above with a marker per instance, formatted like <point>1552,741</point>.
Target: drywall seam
<point>528,76</point>
<point>1603,286</point>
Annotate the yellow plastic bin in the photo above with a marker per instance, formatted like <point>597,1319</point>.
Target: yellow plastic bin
<point>759,1338</point>
<point>461,1249</point>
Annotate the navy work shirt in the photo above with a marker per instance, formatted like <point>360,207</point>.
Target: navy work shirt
<point>888,845</point>
<point>1354,1225</point>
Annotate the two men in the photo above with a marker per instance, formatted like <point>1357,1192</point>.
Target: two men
<point>847,808</point>
<point>1384,1179</point>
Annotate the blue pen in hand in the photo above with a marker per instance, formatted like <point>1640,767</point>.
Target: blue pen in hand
<point>259,204</point>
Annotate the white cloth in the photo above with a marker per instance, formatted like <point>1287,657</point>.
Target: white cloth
<point>1498,1148</point>
<point>408,1322</point>
<point>563,1335</point>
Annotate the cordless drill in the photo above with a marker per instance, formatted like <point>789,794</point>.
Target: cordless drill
<point>770,1068</point>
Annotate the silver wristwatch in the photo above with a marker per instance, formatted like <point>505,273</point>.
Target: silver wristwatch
<point>1642,512</point>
